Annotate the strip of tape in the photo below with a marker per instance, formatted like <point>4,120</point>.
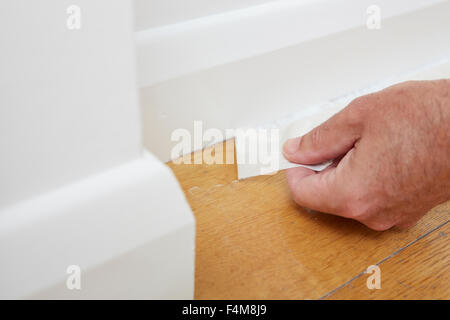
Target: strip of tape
<point>259,150</point>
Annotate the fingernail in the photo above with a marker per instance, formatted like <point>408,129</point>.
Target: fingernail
<point>291,146</point>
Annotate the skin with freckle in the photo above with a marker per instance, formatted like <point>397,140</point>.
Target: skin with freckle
<point>393,148</point>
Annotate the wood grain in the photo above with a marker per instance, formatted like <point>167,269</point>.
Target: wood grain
<point>419,271</point>
<point>254,242</point>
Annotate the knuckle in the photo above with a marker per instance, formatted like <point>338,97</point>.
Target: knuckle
<point>358,109</point>
<point>358,209</point>
<point>361,104</point>
<point>368,213</point>
<point>353,210</point>
<point>316,137</point>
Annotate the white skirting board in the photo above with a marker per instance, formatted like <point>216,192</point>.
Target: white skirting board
<point>266,87</point>
<point>129,230</point>
<point>76,192</point>
<point>177,49</point>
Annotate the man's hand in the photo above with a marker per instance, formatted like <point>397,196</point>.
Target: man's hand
<point>393,148</point>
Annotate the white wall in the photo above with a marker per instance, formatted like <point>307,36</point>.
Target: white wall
<point>76,186</point>
<point>154,13</point>
<point>56,86</point>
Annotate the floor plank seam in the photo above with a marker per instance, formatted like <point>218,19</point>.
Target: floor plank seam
<point>383,260</point>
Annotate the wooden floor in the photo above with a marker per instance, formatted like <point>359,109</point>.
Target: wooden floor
<point>254,242</point>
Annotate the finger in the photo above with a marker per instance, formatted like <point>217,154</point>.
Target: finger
<point>331,139</point>
<point>315,190</point>
<point>298,173</point>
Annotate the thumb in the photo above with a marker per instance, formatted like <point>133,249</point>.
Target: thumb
<point>333,138</point>
<point>323,191</point>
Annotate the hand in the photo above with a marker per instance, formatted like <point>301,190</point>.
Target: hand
<point>393,151</point>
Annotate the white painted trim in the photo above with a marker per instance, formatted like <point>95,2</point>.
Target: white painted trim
<point>174,50</point>
<point>156,13</point>
<point>275,85</point>
<point>130,230</point>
